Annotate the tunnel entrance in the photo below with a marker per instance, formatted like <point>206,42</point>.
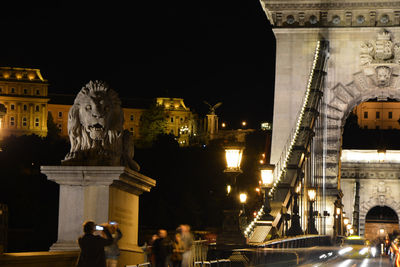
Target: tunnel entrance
<point>381,222</point>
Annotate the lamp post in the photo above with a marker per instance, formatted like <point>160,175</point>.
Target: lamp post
<point>312,194</point>
<point>346,223</point>
<point>267,179</point>
<point>338,213</point>
<point>231,233</point>
<point>242,214</point>
<point>295,228</point>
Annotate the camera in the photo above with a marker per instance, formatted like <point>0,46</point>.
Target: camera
<point>99,228</point>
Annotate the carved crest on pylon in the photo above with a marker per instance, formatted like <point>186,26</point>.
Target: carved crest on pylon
<point>380,59</point>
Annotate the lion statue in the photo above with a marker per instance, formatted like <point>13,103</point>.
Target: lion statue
<point>95,129</point>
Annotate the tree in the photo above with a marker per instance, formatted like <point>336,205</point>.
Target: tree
<point>152,124</point>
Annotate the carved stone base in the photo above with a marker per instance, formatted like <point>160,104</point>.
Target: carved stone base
<point>101,194</point>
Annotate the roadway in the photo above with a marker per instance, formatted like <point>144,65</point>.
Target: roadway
<point>380,261</point>
<point>309,257</point>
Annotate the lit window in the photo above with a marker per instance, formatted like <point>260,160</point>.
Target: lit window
<point>365,114</point>
<point>37,122</point>
<point>25,107</point>
<point>390,115</point>
<point>131,117</point>
<point>378,115</point>
<point>24,121</point>
<point>12,107</point>
<point>60,114</point>
<point>12,121</point>
<point>37,108</point>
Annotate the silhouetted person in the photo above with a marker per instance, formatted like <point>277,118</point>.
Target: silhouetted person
<point>162,249</point>
<point>92,246</point>
<point>177,251</point>
<point>112,251</point>
<point>187,240</point>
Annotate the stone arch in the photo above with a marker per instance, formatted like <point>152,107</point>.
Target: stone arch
<point>340,101</point>
<point>374,201</point>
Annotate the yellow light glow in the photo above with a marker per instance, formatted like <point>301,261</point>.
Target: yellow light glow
<point>349,226</point>
<point>312,193</point>
<point>351,231</point>
<point>338,210</point>
<point>233,157</point>
<point>228,188</point>
<point>31,75</point>
<point>382,231</point>
<point>267,177</point>
<point>243,198</point>
<point>346,221</point>
<point>6,74</point>
<point>244,123</point>
<point>223,125</point>
<point>261,161</point>
<point>298,188</point>
<point>18,75</point>
<point>257,189</point>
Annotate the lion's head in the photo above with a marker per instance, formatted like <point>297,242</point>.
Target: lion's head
<point>95,128</point>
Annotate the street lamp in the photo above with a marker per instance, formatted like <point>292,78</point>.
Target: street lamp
<point>312,194</point>
<point>346,222</point>
<point>231,233</point>
<point>295,228</point>
<point>267,179</point>
<point>339,220</point>
<point>242,215</point>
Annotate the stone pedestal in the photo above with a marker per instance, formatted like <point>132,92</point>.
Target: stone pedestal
<point>101,194</point>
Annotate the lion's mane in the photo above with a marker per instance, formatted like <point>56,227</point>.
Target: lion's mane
<point>116,148</point>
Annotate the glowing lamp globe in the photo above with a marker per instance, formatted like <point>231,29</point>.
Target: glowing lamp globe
<point>233,157</point>
<point>267,177</point>
<point>312,193</point>
<point>243,198</point>
<point>346,221</point>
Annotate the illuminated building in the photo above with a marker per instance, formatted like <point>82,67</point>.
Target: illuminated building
<point>378,115</point>
<point>23,92</point>
<point>180,120</point>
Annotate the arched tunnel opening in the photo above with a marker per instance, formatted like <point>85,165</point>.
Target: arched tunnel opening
<point>381,222</point>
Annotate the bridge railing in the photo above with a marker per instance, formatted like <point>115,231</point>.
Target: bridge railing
<point>319,61</point>
<point>298,242</point>
<point>311,100</point>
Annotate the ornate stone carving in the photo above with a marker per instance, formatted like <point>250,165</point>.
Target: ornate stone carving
<point>380,59</point>
<point>95,129</point>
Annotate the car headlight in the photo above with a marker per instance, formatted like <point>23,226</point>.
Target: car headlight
<point>363,251</point>
<point>345,250</point>
<point>373,251</point>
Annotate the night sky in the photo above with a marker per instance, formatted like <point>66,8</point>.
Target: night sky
<point>217,51</point>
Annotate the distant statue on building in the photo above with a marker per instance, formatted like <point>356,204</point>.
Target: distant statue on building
<point>95,129</point>
<point>212,108</point>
